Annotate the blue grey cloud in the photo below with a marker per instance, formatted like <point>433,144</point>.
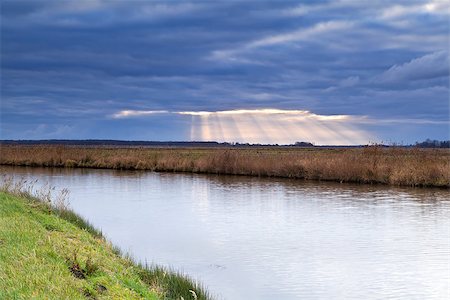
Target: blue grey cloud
<point>430,66</point>
<point>69,65</point>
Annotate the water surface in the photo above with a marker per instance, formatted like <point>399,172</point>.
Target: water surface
<point>253,238</point>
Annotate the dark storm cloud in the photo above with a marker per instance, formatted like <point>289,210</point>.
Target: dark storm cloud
<point>67,66</point>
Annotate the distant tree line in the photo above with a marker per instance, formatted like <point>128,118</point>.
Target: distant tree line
<point>93,142</point>
<point>120,143</point>
<point>428,143</point>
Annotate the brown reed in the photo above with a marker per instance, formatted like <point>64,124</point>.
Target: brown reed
<point>372,164</point>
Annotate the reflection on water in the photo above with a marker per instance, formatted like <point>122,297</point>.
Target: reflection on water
<point>253,238</point>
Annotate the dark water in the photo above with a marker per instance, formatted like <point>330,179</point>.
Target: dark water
<point>252,238</point>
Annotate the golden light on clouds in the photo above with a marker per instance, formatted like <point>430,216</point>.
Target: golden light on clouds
<point>274,126</point>
<point>268,126</point>
<point>136,113</point>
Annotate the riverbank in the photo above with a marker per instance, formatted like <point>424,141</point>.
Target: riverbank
<point>374,164</point>
<point>48,252</point>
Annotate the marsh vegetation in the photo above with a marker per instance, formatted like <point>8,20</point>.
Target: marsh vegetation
<point>372,164</point>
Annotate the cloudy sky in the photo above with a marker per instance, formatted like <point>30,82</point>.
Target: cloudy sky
<point>328,72</point>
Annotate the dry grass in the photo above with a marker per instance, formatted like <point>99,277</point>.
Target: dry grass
<point>374,164</point>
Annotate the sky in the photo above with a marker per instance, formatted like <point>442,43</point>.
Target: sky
<point>327,72</point>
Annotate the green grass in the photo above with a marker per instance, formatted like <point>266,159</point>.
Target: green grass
<point>51,253</point>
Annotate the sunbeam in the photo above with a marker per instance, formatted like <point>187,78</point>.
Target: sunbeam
<point>268,126</point>
<point>275,126</point>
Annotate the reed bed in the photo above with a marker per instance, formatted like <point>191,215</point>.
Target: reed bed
<point>372,164</point>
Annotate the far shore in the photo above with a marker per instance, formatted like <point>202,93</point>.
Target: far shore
<point>367,165</point>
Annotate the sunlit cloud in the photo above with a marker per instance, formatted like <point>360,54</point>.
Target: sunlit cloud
<point>136,113</point>
<point>268,126</point>
<point>431,7</point>
<point>265,111</point>
<point>274,126</point>
<point>278,126</point>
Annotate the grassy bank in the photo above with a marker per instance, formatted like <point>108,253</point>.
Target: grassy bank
<point>48,252</point>
<point>395,166</point>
